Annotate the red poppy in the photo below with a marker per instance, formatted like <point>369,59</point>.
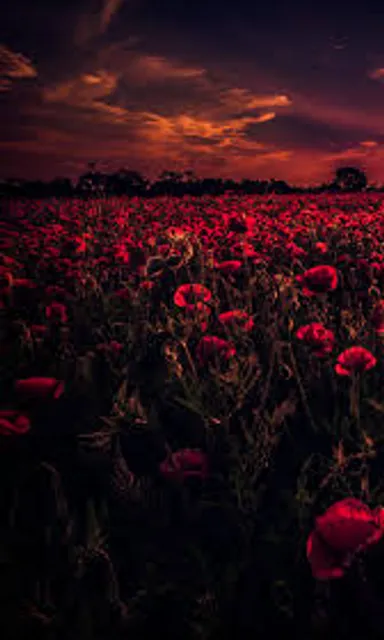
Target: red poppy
<point>236,318</point>
<point>13,422</point>
<point>347,527</point>
<point>228,266</point>
<point>210,348</point>
<point>188,295</point>
<point>122,294</point>
<point>318,280</point>
<point>318,337</point>
<point>6,279</point>
<point>38,387</point>
<point>24,283</point>
<point>321,247</point>
<point>39,330</point>
<point>112,347</point>
<point>354,360</point>
<point>57,312</point>
<point>146,285</point>
<point>185,463</point>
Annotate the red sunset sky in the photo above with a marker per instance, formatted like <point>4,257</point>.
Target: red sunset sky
<point>234,89</point>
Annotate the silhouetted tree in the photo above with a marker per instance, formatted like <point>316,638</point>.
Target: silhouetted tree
<point>350,179</point>
<point>278,186</point>
<point>127,182</point>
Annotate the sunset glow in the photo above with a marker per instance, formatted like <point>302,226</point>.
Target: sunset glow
<point>227,89</point>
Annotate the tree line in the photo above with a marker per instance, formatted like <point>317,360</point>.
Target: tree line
<point>124,182</point>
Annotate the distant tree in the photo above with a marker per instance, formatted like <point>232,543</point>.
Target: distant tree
<point>60,187</point>
<point>91,183</point>
<point>278,186</point>
<point>126,182</point>
<point>350,179</point>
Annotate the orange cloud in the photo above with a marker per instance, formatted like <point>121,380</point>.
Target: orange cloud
<point>147,68</point>
<point>369,143</point>
<point>243,99</point>
<point>85,92</point>
<point>14,66</point>
<point>377,74</point>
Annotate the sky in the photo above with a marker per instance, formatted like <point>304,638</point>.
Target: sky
<point>289,90</point>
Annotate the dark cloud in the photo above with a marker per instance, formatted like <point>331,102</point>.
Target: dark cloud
<point>284,89</point>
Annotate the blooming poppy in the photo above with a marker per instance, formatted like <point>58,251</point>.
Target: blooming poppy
<point>39,387</point>
<point>347,527</point>
<point>228,266</point>
<point>24,283</point>
<point>13,422</point>
<point>354,360</point>
<point>317,336</point>
<point>321,247</point>
<point>185,463</point>
<point>318,280</point>
<point>210,348</point>
<point>56,311</point>
<point>114,347</point>
<point>146,285</point>
<point>39,330</point>
<point>236,318</point>
<point>188,295</point>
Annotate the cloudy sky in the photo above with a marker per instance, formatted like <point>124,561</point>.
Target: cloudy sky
<point>289,90</point>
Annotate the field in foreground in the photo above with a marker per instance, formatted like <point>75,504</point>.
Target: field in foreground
<point>191,418</point>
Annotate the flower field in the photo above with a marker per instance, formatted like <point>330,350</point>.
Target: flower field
<point>191,418</point>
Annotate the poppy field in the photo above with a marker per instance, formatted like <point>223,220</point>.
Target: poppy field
<point>191,417</point>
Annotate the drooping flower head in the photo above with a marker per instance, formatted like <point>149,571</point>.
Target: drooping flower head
<point>185,463</point>
<point>318,337</point>
<point>347,527</point>
<point>212,348</point>
<point>188,295</point>
<point>39,388</point>
<point>318,280</point>
<point>236,318</point>
<point>354,360</point>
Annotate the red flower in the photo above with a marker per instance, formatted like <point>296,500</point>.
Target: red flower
<point>377,317</point>
<point>347,527</point>
<point>13,422</point>
<point>236,318</point>
<point>228,266</point>
<point>185,463</point>
<point>188,295</point>
<point>24,283</point>
<point>210,348</point>
<point>56,311</point>
<point>354,360</point>
<point>39,330</point>
<point>318,280</point>
<point>36,387</point>
<point>112,347</point>
<point>321,247</point>
<point>122,294</point>
<point>318,337</point>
